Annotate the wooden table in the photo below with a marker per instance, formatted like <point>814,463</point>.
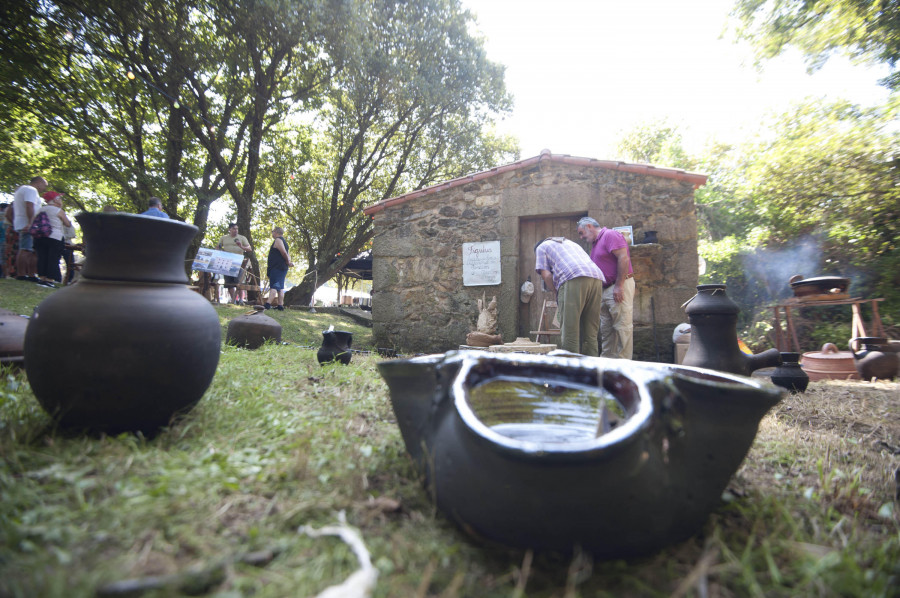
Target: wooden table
<point>858,327</point>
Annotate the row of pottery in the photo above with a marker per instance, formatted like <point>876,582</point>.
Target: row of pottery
<point>714,345</point>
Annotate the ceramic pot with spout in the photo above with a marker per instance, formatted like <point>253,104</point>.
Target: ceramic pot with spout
<point>553,451</point>
<point>714,342</point>
<point>130,346</point>
<point>874,361</point>
<point>335,347</point>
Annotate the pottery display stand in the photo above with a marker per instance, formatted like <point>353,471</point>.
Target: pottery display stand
<point>208,287</point>
<point>858,328</point>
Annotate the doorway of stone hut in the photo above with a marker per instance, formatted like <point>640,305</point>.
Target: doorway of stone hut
<point>532,230</point>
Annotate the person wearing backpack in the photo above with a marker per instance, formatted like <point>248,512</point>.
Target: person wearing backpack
<point>26,203</point>
<point>48,240</point>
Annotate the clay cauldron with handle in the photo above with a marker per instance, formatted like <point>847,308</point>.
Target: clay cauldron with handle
<point>130,346</point>
<point>874,361</point>
<point>553,451</point>
<point>714,342</point>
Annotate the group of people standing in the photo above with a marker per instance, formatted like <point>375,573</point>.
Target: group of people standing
<point>33,254</point>
<point>595,292</point>
<point>277,265</point>
<point>35,257</point>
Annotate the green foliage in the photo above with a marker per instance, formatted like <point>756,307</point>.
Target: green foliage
<point>865,30</point>
<point>412,106</point>
<point>196,101</point>
<point>658,143</point>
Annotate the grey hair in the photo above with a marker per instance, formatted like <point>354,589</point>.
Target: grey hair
<point>587,220</point>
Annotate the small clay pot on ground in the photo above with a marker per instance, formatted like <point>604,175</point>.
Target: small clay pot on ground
<point>789,374</point>
<point>335,347</point>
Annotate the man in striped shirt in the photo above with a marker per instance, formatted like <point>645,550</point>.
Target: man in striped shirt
<point>578,282</point>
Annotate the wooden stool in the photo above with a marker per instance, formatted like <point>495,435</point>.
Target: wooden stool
<point>544,326</point>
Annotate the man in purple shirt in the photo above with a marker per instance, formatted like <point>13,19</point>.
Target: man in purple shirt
<point>610,252</point>
<point>578,283</point>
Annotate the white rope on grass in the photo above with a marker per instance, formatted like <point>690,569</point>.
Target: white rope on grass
<point>362,582</point>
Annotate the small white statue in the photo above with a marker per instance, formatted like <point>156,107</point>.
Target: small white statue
<point>485,333</point>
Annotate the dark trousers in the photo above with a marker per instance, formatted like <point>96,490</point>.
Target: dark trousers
<point>48,253</point>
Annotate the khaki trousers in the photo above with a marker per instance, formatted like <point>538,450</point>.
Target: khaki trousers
<point>580,300</point>
<point>616,327</point>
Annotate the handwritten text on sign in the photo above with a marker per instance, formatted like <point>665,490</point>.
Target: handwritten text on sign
<point>481,263</point>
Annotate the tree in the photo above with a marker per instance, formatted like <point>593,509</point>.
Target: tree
<point>409,109</point>
<point>659,143</point>
<point>868,31</point>
<point>820,195</point>
<point>206,81</point>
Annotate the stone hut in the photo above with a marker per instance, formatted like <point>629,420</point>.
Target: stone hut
<point>425,289</point>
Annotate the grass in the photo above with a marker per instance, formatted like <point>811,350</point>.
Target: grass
<point>212,505</point>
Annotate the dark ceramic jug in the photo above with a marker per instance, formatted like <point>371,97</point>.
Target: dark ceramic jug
<point>714,345</point>
<point>552,451</point>
<point>789,374</point>
<point>335,346</point>
<point>129,346</point>
<point>252,330</point>
<point>874,361</point>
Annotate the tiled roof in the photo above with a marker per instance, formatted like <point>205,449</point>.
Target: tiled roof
<point>545,156</point>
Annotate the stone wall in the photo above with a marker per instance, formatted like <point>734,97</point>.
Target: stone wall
<point>419,303</point>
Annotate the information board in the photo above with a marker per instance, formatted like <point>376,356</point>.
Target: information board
<point>217,262</point>
<point>481,263</point>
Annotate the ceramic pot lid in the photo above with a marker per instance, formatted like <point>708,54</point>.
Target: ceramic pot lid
<point>829,352</point>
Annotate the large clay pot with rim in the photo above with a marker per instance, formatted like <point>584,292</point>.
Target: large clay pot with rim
<point>130,346</point>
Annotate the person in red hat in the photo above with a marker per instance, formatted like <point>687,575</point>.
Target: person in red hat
<point>50,248</point>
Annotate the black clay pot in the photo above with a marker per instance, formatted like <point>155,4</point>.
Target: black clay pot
<point>553,451</point>
<point>649,237</point>
<point>874,361</point>
<point>714,345</point>
<point>789,374</point>
<point>252,330</point>
<point>129,346</point>
<point>335,347</point>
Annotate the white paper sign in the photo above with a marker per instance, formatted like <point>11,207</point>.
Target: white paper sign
<point>481,263</point>
<point>217,262</point>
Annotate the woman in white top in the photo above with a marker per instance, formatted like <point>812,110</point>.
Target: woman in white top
<point>49,249</point>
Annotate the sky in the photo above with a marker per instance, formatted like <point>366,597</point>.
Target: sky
<point>583,72</point>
